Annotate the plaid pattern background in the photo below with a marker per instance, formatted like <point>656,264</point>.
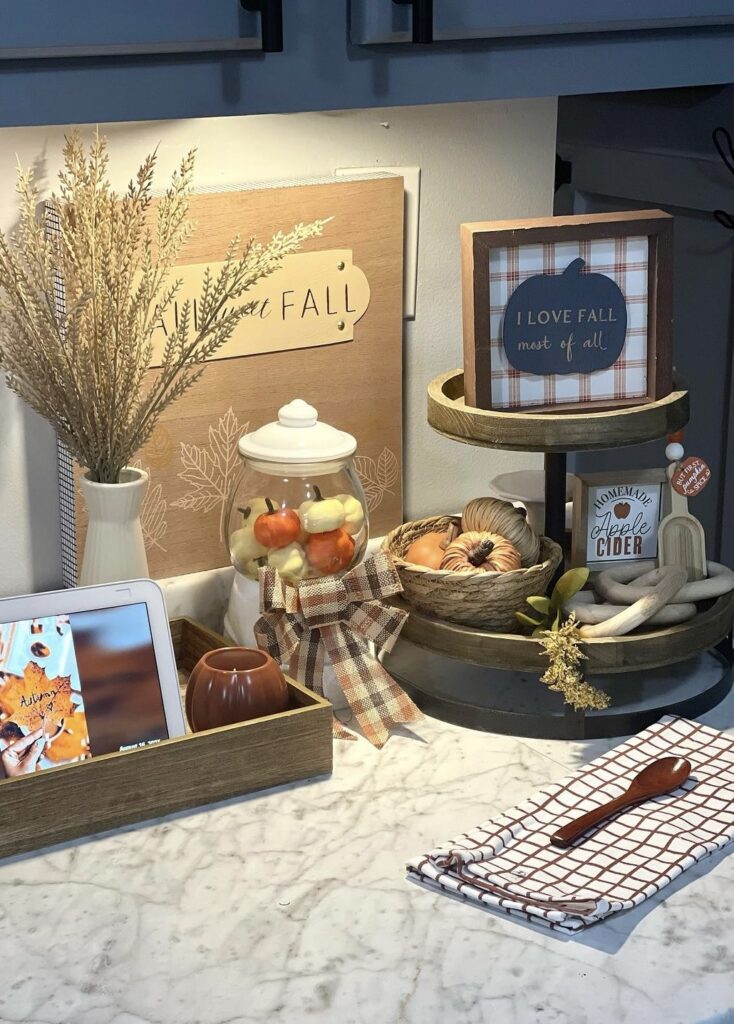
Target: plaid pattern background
<point>339,619</point>
<point>622,259</point>
<point>508,863</point>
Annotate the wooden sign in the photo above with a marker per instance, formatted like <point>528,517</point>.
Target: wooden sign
<point>616,517</point>
<point>569,312</point>
<point>192,455</point>
<point>690,476</point>
<point>314,298</point>
<point>573,322</point>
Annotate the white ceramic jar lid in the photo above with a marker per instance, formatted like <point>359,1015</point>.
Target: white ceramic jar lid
<point>297,437</point>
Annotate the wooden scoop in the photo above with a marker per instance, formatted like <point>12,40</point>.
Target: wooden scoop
<point>656,778</point>
<point>681,540</point>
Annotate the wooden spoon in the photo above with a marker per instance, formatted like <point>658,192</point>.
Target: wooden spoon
<point>656,778</point>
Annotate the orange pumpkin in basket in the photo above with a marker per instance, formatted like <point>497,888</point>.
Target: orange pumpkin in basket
<point>487,552</point>
<point>430,549</point>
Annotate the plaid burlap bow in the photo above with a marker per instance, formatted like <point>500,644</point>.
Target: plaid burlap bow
<point>339,617</point>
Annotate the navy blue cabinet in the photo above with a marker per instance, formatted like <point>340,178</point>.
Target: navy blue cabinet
<point>38,29</point>
<point>99,60</point>
<point>384,21</point>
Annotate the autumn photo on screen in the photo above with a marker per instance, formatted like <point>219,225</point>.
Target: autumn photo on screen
<point>75,686</point>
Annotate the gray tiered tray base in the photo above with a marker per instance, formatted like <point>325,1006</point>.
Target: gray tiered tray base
<point>516,703</point>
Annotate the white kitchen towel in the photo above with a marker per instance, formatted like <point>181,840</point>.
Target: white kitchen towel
<point>508,863</point>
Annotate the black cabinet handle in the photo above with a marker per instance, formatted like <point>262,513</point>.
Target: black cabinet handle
<point>271,23</point>
<point>422,19</point>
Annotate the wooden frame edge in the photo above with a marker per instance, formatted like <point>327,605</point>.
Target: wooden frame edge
<point>656,225</point>
<point>581,484</point>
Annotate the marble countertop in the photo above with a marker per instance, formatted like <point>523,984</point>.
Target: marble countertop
<point>292,906</point>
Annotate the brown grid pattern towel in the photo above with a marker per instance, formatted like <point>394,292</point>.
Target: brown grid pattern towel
<point>625,261</point>
<point>508,863</point>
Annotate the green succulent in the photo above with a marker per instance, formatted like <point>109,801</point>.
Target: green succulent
<point>549,610</point>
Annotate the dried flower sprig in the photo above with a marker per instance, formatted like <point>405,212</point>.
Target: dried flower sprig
<point>563,647</point>
<point>86,369</point>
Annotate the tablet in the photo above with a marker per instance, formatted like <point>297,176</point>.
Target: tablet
<point>85,672</point>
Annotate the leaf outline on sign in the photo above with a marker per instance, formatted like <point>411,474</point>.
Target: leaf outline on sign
<point>210,470</point>
<point>377,477</point>
<point>153,511</point>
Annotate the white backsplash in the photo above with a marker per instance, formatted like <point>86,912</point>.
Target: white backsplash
<point>479,161</point>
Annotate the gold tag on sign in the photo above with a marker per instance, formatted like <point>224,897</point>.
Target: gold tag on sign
<point>313,299</point>
<point>690,476</point>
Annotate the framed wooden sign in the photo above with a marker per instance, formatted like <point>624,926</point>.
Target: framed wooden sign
<point>616,516</point>
<point>564,313</point>
<point>326,327</point>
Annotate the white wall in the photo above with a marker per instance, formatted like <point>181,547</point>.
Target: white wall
<point>479,161</point>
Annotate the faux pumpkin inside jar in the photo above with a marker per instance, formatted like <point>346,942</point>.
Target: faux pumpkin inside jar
<point>297,504</point>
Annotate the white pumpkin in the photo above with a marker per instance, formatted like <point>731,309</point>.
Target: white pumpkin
<point>353,514</point>
<point>290,561</point>
<point>322,514</point>
<point>244,549</point>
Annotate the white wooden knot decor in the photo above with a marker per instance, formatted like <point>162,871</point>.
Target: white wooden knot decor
<point>643,593</point>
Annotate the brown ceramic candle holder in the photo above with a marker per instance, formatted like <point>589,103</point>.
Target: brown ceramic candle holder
<point>234,684</point>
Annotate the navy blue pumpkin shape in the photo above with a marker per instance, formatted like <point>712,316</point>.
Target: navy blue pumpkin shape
<point>565,323</point>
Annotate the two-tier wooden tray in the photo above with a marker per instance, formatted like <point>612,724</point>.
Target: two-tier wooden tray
<point>490,680</point>
<point>515,652</point>
<point>549,432</point>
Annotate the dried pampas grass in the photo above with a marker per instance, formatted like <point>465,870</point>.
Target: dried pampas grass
<point>86,370</point>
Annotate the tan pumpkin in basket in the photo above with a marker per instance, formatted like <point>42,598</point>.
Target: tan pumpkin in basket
<point>487,552</point>
<point>492,515</point>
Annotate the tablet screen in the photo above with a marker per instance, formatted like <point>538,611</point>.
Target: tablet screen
<point>74,686</point>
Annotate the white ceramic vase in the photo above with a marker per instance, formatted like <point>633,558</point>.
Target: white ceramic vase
<point>114,548</point>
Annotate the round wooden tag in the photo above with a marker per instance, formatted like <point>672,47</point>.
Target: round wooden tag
<point>690,476</point>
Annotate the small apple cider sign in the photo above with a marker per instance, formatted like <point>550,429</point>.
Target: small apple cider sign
<point>622,523</point>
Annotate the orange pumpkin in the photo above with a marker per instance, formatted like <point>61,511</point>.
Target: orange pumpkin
<point>330,552</point>
<point>487,552</point>
<point>429,549</point>
<point>278,527</point>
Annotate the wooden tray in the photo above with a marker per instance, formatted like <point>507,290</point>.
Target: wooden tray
<point>614,654</point>
<point>549,432</point>
<point>117,789</point>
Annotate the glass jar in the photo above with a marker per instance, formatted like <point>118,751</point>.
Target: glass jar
<point>297,504</point>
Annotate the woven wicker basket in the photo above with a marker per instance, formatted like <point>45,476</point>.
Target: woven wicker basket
<point>487,600</point>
